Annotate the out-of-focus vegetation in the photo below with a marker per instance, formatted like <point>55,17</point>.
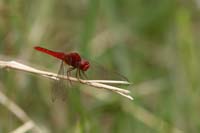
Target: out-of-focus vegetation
<point>155,44</point>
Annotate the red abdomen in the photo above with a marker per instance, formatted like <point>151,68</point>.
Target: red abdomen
<point>58,55</point>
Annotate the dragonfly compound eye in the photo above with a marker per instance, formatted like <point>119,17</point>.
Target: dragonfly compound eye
<point>84,65</point>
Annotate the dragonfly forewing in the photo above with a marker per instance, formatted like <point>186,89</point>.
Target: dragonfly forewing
<point>59,87</point>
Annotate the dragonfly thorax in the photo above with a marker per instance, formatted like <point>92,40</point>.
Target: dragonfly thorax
<point>74,60</point>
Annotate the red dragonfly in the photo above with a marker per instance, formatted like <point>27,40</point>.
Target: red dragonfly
<point>75,62</point>
<point>72,59</point>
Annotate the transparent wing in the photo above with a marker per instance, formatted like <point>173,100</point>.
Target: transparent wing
<point>58,88</point>
<point>99,72</point>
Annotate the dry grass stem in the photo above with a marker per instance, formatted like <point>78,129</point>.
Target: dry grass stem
<point>24,128</point>
<point>101,84</point>
<point>17,111</point>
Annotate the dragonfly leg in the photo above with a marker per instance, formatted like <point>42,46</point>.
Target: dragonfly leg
<point>69,72</point>
<point>81,74</point>
<point>84,75</point>
<point>78,76</point>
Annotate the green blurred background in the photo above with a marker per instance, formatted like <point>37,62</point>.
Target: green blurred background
<point>153,43</point>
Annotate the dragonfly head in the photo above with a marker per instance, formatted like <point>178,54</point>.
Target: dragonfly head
<point>84,65</point>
